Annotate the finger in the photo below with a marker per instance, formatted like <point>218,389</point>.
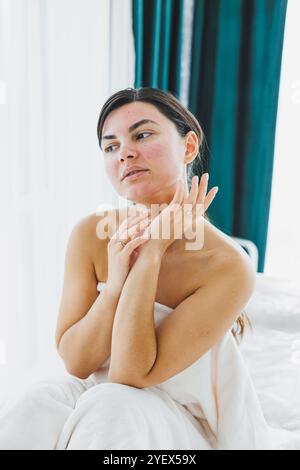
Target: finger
<point>210,197</point>
<point>202,190</point>
<point>191,198</point>
<point>129,222</point>
<point>126,237</point>
<point>129,233</point>
<point>139,226</point>
<point>133,244</point>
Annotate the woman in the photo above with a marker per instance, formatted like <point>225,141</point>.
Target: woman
<point>172,378</point>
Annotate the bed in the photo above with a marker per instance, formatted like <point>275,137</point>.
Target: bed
<point>272,350</point>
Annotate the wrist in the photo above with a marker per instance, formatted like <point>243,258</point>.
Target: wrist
<point>113,291</point>
<point>152,254</point>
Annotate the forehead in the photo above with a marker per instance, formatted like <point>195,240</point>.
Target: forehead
<point>119,120</point>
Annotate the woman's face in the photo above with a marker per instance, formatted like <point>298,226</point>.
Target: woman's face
<point>155,146</point>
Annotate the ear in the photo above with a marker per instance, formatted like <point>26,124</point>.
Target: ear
<point>191,147</point>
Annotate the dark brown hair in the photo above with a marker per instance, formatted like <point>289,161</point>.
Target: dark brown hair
<point>184,121</point>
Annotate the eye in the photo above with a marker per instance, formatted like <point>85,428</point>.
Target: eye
<point>107,148</point>
<point>141,133</point>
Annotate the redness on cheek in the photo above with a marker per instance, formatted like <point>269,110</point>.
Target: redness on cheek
<point>156,154</point>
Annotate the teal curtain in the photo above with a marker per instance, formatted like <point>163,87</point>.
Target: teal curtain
<point>157,26</point>
<point>233,91</point>
<point>235,74</point>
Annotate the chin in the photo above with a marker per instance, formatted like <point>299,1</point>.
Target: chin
<point>138,194</point>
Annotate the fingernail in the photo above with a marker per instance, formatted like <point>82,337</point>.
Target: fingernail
<point>217,189</point>
<point>206,176</point>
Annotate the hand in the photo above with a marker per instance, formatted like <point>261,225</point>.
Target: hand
<point>195,203</point>
<point>121,258</point>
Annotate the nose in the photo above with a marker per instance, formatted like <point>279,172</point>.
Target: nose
<point>123,159</point>
<point>126,153</point>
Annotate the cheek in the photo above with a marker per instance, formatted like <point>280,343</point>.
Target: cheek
<point>111,168</point>
<point>155,153</point>
<point>160,155</point>
<point>164,160</point>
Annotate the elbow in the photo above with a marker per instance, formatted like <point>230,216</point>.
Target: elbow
<point>72,368</point>
<point>123,381</point>
<point>80,375</point>
<point>76,372</point>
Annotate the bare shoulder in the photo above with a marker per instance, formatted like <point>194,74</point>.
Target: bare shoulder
<point>93,245</point>
<point>85,226</point>
<point>226,255</point>
<point>97,229</point>
<point>230,266</point>
<point>86,229</point>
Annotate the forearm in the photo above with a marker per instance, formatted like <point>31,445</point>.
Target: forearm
<point>86,345</point>
<point>134,347</point>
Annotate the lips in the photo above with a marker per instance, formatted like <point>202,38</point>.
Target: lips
<point>133,171</point>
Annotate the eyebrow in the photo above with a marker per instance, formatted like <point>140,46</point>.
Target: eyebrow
<point>132,128</point>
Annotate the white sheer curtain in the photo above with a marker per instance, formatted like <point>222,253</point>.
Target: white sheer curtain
<point>283,252</point>
<point>59,61</point>
<point>185,68</point>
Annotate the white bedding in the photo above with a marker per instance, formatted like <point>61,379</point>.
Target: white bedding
<point>272,353</point>
<point>257,388</point>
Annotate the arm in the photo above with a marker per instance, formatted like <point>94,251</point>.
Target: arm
<point>133,340</point>
<point>84,327</point>
<point>202,319</point>
<point>86,345</point>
